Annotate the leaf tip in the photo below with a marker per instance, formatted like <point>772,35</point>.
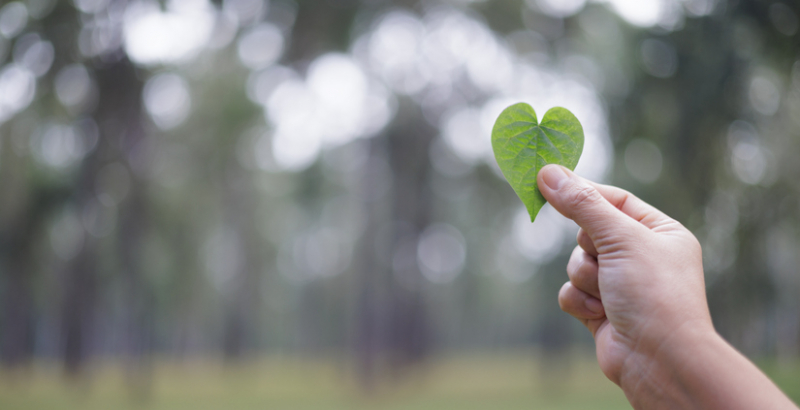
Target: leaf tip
<point>534,207</point>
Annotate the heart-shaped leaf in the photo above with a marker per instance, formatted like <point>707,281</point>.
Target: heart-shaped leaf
<point>522,146</point>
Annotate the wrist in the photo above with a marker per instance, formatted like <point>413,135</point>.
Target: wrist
<point>697,369</point>
<point>658,368</point>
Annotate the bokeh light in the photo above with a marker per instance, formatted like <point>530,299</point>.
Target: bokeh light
<point>643,13</point>
<point>441,252</point>
<point>61,145</point>
<point>34,54</point>
<point>659,58</point>
<point>73,85</point>
<point>260,46</point>
<point>784,18</point>
<point>174,35</point>
<point>13,19</point>
<point>643,160</point>
<point>167,100</point>
<point>764,95</point>
<point>541,240</point>
<point>17,89</point>
<point>558,8</point>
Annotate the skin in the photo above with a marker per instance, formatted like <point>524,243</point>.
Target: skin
<point>636,282</point>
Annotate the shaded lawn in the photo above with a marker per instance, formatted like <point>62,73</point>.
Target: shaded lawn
<point>475,381</point>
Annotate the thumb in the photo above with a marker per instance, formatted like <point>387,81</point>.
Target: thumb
<point>579,200</point>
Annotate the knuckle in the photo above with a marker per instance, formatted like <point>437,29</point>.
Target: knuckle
<point>576,274</point>
<point>585,242</point>
<point>579,279</point>
<point>582,236</point>
<point>572,271</point>
<point>583,196</point>
<point>574,264</point>
<point>689,242</point>
<point>585,278</point>
<point>563,297</point>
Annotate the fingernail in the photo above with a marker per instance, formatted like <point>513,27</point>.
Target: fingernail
<point>554,176</point>
<point>594,305</point>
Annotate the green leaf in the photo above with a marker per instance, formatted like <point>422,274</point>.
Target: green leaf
<point>522,146</point>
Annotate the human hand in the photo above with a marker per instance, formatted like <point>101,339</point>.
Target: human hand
<point>636,281</point>
<point>636,276</point>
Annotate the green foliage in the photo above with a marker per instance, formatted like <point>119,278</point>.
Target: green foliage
<point>522,146</point>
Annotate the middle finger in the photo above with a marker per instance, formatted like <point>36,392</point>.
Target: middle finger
<point>582,270</point>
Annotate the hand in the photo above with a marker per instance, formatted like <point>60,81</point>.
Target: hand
<point>636,281</point>
<point>636,275</point>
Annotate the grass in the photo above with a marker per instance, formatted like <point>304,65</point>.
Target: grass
<point>786,374</point>
<point>470,381</point>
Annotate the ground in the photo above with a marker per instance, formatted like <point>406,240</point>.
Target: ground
<point>463,381</point>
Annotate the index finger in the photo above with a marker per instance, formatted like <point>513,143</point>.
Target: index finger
<point>632,206</point>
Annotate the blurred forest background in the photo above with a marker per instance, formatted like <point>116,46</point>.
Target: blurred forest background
<point>186,180</point>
